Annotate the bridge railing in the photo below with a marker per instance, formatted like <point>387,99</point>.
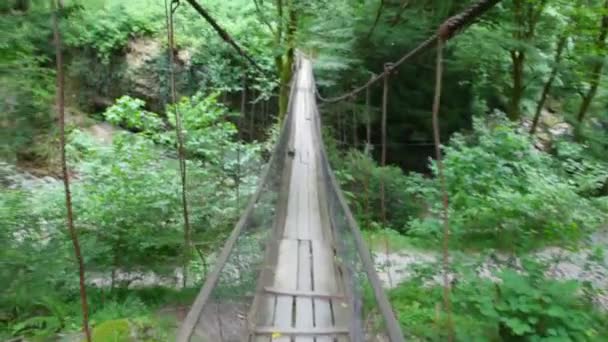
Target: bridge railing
<point>372,317</point>
<point>222,309</point>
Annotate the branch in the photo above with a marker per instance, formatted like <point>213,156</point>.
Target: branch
<point>378,14</point>
<point>397,18</point>
<point>263,18</point>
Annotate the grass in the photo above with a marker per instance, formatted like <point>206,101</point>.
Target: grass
<point>148,311</point>
<point>377,239</point>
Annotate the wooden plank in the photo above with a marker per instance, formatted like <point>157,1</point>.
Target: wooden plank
<point>342,312</point>
<point>303,210</point>
<point>291,222</point>
<point>265,313</point>
<point>323,274</point>
<point>302,293</point>
<point>332,331</point>
<point>263,338</point>
<point>316,229</point>
<point>286,277</point>
<point>304,307</point>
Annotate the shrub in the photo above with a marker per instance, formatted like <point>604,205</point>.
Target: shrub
<point>106,31</point>
<point>504,193</point>
<point>520,306</point>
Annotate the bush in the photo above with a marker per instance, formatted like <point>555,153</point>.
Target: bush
<point>519,306</point>
<point>106,31</point>
<point>506,194</point>
<point>361,180</point>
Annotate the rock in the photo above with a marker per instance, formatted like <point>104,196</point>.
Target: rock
<point>550,127</point>
<point>142,76</point>
<point>102,131</point>
<point>15,178</point>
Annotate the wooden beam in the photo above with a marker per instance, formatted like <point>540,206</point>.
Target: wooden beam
<point>301,293</point>
<point>306,332</point>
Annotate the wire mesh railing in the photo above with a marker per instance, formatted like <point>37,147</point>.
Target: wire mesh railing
<point>221,310</point>
<point>372,317</point>
<point>231,303</point>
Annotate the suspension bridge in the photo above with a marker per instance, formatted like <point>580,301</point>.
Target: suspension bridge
<point>295,267</point>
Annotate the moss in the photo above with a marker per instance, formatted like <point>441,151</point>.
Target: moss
<point>117,330</point>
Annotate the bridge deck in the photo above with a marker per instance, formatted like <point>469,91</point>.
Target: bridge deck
<point>306,300</point>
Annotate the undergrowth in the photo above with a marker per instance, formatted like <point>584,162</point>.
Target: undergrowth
<point>519,305</point>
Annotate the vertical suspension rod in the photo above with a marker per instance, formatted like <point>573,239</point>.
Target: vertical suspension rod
<point>170,11</point>
<point>60,107</point>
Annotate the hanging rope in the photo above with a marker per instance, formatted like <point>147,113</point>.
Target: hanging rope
<point>387,70</point>
<point>60,106</point>
<point>445,213</point>
<point>169,11</point>
<point>449,29</point>
<point>368,145</point>
<point>368,121</point>
<point>240,137</point>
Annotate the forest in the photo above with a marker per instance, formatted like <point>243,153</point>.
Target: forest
<point>163,134</point>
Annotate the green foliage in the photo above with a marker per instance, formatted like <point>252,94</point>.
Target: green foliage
<point>518,306</point>
<point>506,194</point>
<point>26,82</point>
<point>142,229</point>
<point>116,330</point>
<point>107,31</point>
<point>128,212</point>
<point>361,179</point>
<point>129,113</point>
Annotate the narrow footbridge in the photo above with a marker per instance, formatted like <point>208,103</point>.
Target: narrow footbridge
<point>295,268</point>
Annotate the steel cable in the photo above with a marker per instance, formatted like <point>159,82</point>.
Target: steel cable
<point>447,30</point>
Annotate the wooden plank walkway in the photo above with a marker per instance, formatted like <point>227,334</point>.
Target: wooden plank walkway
<point>305,301</point>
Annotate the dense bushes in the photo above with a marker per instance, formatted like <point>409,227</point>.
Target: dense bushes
<point>505,193</point>
<point>127,208</point>
<point>519,305</point>
<point>106,31</point>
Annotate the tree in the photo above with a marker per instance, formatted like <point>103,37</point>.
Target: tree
<point>526,15</point>
<point>285,42</point>
<point>597,65</point>
<point>66,177</point>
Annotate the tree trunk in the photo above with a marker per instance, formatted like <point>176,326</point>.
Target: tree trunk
<point>383,154</point>
<point>526,20</point>
<point>376,20</point>
<point>517,73</point>
<point>368,121</point>
<point>285,63</point>
<point>355,135</point>
<point>181,151</point>
<point>561,44</point>
<point>22,5</point>
<point>60,103</point>
<point>238,146</point>
<point>252,118</point>
<point>596,73</point>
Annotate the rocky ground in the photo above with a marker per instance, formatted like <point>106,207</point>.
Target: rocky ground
<point>588,264</point>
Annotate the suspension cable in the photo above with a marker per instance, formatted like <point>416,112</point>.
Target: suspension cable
<point>240,137</point>
<point>445,199</point>
<point>60,107</point>
<point>387,68</point>
<point>448,30</point>
<point>169,11</point>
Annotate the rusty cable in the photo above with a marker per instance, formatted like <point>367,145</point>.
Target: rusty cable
<point>444,192</point>
<point>448,30</point>
<point>60,107</point>
<point>169,12</point>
